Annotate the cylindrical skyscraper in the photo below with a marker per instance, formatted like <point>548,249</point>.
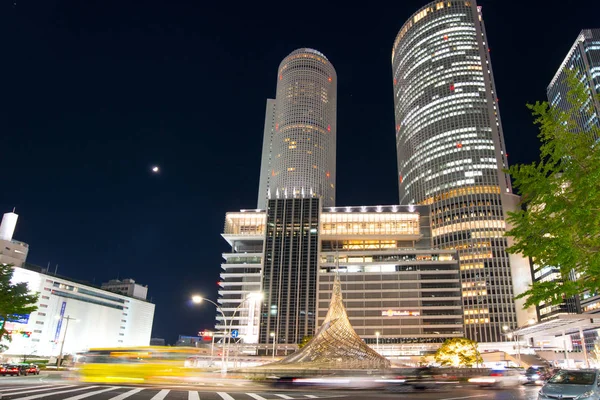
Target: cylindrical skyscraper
<point>300,131</point>
<point>451,153</point>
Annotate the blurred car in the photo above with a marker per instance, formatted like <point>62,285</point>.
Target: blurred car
<point>537,375</point>
<point>499,378</point>
<point>12,369</point>
<point>566,384</point>
<point>32,369</point>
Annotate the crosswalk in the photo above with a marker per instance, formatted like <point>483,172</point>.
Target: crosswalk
<point>97,392</point>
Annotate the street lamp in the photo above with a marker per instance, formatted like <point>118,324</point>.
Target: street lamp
<point>62,344</point>
<point>224,359</point>
<point>377,338</point>
<point>272,334</point>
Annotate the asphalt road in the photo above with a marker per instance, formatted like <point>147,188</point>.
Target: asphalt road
<point>41,387</point>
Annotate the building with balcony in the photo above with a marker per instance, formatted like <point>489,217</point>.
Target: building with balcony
<point>393,282</point>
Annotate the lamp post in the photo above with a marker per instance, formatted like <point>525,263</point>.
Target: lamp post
<point>377,340</point>
<point>62,344</point>
<point>272,334</point>
<point>200,299</point>
<point>225,358</point>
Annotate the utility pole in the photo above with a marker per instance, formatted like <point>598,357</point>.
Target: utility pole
<point>62,344</point>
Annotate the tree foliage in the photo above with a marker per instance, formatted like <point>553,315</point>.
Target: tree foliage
<point>458,352</point>
<point>559,225</point>
<point>15,300</point>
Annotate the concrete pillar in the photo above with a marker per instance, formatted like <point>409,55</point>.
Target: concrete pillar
<point>585,354</point>
<point>566,351</point>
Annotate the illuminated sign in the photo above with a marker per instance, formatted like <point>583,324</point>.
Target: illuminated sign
<point>18,318</point>
<point>398,313</point>
<point>205,333</point>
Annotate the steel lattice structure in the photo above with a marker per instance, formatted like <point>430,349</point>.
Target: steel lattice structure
<point>336,345</point>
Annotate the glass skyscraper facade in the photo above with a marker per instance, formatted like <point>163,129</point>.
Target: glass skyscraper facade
<point>584,59</point>
<point>290,268</point>
<point>299,153</point>
<point>451,154</point>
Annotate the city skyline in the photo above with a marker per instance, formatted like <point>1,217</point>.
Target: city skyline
<point>88,201</point>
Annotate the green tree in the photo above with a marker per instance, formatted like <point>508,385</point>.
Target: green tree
<point>14,300</point>
<point>559,221</point>
<point>304,341</point>
<point>458,352</point>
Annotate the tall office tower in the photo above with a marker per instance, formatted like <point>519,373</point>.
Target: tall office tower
<point>584,58</point>
<point>298,158</point>
<point>290,269</point>
<point>451,153</point>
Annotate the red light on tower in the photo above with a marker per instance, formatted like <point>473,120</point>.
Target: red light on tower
<point>401,179</point>
<point>273,173</point>
<point>327,174</point>
<point>398,128</point>
<point>459,145</point>
<point>328,128</point>
<point>280,77</point>
<point>452,86</point>
<point>395,81</point>
<point>276,127</point>
<point>445,37</point>
<point>329,79</point>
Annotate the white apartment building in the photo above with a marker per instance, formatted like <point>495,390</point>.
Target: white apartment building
<point>80,315</point>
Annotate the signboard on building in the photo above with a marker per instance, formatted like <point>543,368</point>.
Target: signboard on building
<point>400,313</point>
<point>18,318</point>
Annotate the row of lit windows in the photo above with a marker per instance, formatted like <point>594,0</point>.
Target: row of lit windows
<point>477,311</point>
<point>462,29</point>
<point>436,105</point>
<point>465,226</point>
<point>476,256</point>
<point>415,52</point>
<point>461,205</point>
<point>471,190</point>
<point>427,77</point>
<point>477,321</point>
<point>442,20</point>
<point>473,284</point>
<point>436,45</point>
<point>409,46</point>
<point>472,293</point>
<point>469,266</point>
<point>445,113</point>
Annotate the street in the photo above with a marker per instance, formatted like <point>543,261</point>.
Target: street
<point>49,388</point>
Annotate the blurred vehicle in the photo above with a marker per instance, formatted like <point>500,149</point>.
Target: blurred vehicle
<point>32,369</point>
<point>421,378</point>
<point>499,378</point>
<point>12,369</point>
<point>149,364</point>
<point>537,375</point>
<point>331,381</point>
<point>566,384</point>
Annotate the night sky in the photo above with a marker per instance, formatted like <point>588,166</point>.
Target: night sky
<point>94,93</point>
